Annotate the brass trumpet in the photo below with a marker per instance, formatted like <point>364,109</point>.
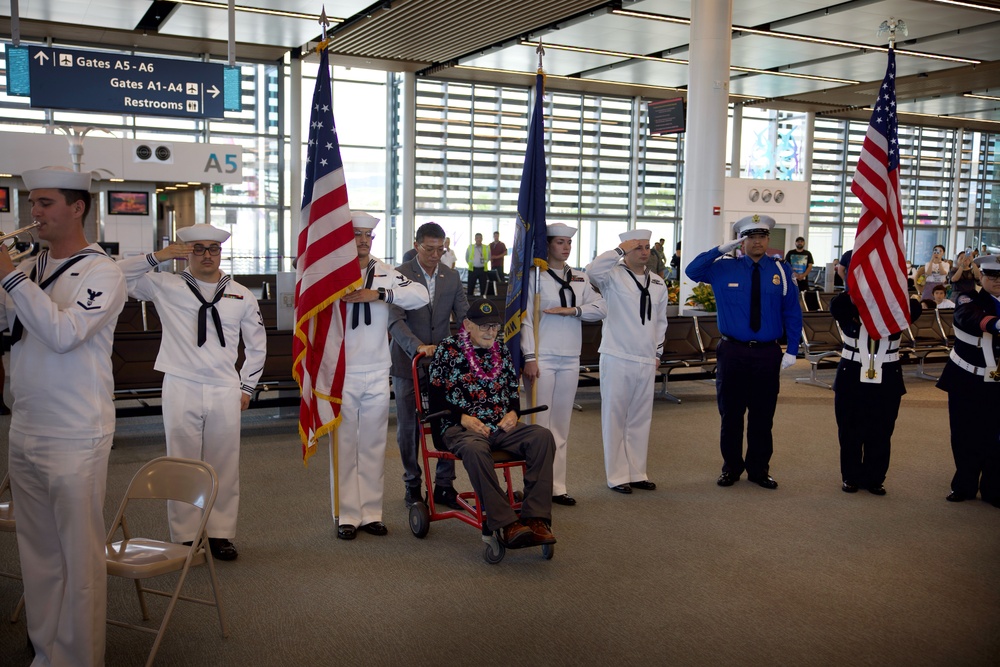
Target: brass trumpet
<point>11,249</point>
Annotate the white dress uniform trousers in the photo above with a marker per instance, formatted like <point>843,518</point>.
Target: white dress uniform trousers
<point>202,422</point>
<point>556,387</point>
<point>626,414</point>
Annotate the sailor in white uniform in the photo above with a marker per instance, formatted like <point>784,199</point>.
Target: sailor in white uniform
<point>203,312</point>
<point>361,436</point>
<point>631,346</point>
<point>567,299</point>
<point>61,308</point>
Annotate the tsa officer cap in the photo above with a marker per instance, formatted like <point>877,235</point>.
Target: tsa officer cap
<point>482,311</point>
<point>202,232</point>
<point>559,229</point>
<point>989,264</point>
<point>362,220</point>
<point>59,178</point>
<point>753,224</point>
<point>640,234</point>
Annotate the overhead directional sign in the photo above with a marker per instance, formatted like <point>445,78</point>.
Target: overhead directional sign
<point>94,81</point>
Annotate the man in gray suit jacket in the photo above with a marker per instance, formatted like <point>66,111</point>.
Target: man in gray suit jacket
<point>416,331</point>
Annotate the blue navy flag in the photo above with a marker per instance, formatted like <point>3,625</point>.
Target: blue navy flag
<point>530,246</point>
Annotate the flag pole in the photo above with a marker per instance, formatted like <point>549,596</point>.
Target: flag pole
<point>537,305</point>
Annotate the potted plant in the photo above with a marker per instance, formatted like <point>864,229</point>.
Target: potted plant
<point>702,298</point>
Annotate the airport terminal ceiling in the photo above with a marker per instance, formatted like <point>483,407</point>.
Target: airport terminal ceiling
<point>801,55</point>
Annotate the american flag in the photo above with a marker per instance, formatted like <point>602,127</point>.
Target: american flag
<point>530,245</point>
<point>326,268</point>
<point>877,280</point>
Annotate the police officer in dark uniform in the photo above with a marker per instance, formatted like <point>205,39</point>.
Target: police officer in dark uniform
<point>867,393</point>
<point>758,304</point>
<point>972,381</point>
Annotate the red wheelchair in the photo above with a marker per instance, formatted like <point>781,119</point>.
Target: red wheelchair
<point>470,511</point>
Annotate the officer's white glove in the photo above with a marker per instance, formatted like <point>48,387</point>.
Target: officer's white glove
<point>787,360</point>
<point>727,248</point>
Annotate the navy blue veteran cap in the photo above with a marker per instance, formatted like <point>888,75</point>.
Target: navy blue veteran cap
<point>753,224</point>
<point>482,311</point>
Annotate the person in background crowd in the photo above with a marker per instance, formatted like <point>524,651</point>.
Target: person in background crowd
<point>631,345</point>
<point>941,299</point>
<point>567,300</point>
<point>756,310</point>
<point>934,272</point>
<point>965,276</point>
<point>498,252</point>
<point>801,261</point>
<point>449,258</point>
<point>420,330</point>
<point>359,477</point>
<point>203,392</point>
<point>475,257</point>
<point>655,264</point>
<point>675,263</point>
<point>972,380</point>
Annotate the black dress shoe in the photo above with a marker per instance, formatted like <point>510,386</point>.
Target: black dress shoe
<point>955,497</point>
<point>413,496</point>
<point>622,488</point>
<point>766,481</point>
<point>564,499</point>
<point>727,479</point>
<point>222,549</point>
<point>347,532</point>
<point>645,485</point>
<point>849,488</point>
<point>447,495</point>
<point>375,528</point>
<point>877,490</point>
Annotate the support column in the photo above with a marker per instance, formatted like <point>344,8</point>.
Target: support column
<point>807,169</point>
<point>956,188</point>
<point>408,161</point>
<point>633,167</point>
<point>295,152</point>
<point>705,140</point>
<point>736,150</point>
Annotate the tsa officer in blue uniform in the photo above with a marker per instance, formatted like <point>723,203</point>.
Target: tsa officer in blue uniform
<point>972,380</point>
<point>758,304</point>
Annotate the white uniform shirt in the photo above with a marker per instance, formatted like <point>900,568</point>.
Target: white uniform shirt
<point>560,335</point>
<point>367,346</point>
<point>177,307</point>
<point>61,372</point>
<point>624,335</point>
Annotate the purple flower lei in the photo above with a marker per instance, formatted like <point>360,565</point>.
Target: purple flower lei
<point>466,344</point>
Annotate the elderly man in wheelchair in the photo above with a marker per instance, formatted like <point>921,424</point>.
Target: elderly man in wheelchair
<point>473,379</point>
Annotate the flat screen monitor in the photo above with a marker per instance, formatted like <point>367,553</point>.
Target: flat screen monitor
<point>4,199</point>
<point>128,203</point>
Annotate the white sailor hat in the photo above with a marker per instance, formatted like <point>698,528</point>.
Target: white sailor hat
<point>59,178</point>
<point>640,234</point>
<point>989,264</point>
<point>753,224</point>
<point>559,229</point>
<point>362,220</point>
<point>202,232</point>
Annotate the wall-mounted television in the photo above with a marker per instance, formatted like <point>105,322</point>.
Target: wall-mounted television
<point>128,203</point>
<point>4,199</point>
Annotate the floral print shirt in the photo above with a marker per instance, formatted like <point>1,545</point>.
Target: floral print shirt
<point>456,386</point>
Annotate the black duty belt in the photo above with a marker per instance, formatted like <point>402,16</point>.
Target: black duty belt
<point>751,343</point>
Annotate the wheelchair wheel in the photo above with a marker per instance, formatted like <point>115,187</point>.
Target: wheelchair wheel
<point>420,520</point>
<point>493,554</point>
<point>548,551</point>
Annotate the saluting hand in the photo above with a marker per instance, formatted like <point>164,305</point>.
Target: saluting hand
<point>631,244</point>
<point>174,251</point>
<point>727,248</point>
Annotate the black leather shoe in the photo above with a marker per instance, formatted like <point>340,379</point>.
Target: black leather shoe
<point>564,499</point>
<point>375,528</point>
<point>767,482</point>
<point>644,485</point>
<point>849,488</point>
<point>222,549</point>
<point>347,532</point>
<point>727,479</point>
<point>446,495</point>
<point>413,496</point>
<point>622,488</point>
<point>878,490</point>
<point>955,497</point>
